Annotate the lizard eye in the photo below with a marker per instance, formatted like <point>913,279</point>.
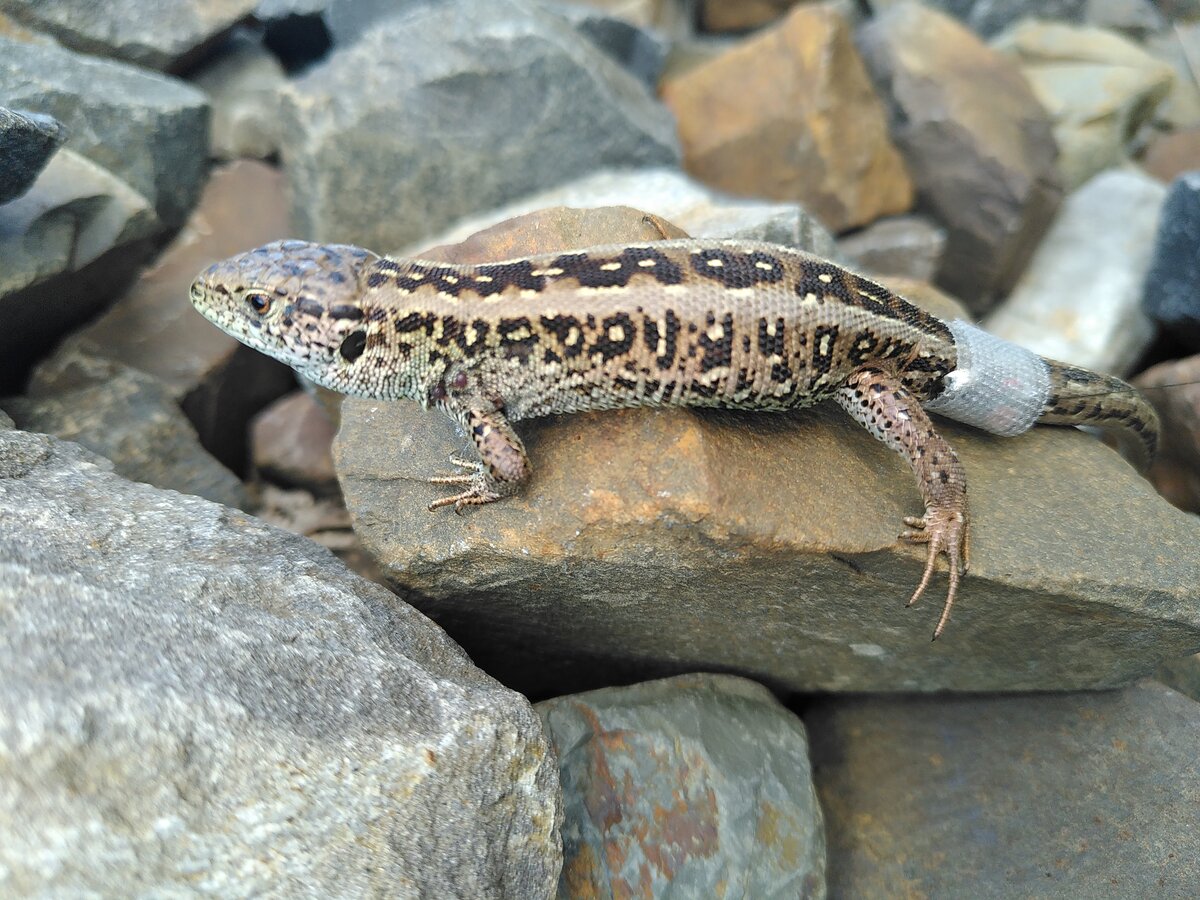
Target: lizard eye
<point>259,302</point>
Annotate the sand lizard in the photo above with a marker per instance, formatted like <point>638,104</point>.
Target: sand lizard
<point>672,323</point>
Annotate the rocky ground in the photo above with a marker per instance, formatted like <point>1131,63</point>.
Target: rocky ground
<point>237,655</point>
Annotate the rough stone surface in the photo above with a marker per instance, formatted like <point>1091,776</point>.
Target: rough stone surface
<point>903,245</point>
<point>740,15</point>
<point>149,130</point>
<point>219,382</point>
<point>1174,389</point>
<point>969,128</point>
<point>640,50</point>
<point>243,84</point>
<point>990,17</point>
<point>194,701</point>
<point>1170,155</point>
<point>673,196</point>
<point>1098,87</point>
<point>657,542</point>
<point>1080,299</point>
<point>131,419</point>
<point>163,35</point>
<point>1182,675</point>
<point>1085,795</point>
<point>27,141</point>
<point>789,114</point>
<point>453,109</point>
<point>1172,290</point>
<point>291,443</point>
<point>696,786</point>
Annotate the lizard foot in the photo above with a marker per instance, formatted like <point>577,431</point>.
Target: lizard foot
<point>479,491</point>
<point>945,530</point>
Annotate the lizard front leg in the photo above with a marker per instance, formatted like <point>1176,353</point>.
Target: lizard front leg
<point>881,403</point>
<point>503,465</point>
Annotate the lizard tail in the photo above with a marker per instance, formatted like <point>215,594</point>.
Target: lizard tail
<point>1081,397</point>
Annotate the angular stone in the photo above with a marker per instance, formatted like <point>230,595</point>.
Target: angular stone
<point>149,130</point>
<point>990,17</point>
<point>741,15</point>
<point>1171,155</point>
<point>219,382</point>
<point>1174,389</point>
<point>969,127</point>
<point>903,245</point>
<point>683,787</point>
<point>1179,47</point>
<point>1080,299</point>
<point>654,542</point>
<point>131,419</point>
<point>815,131</point>
<point>434,139</point>
<point>1098,87</point>
<point>291,443</point>
<point>671,195</point>
<point>1182,675</point>
<point>27,141</point>
<point>243,84</point>
<point>642,51</point>
<point>1172,290</point>
<point>1084,795</point>
<point>193,700</point>
<point>166,35</point>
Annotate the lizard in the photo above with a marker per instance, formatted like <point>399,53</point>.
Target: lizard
<point>684,322</point>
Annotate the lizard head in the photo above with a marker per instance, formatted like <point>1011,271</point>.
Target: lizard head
<point>292,300</point>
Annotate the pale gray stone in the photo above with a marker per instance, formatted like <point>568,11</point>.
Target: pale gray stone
<point>243,84</point>
<point>901,245</point>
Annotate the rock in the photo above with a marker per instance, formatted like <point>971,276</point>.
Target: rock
<point>131,419</point>
<point>969,128</point>
<point>77,233</point>
<point>741,15</point>
<point>27,141</point>
<point>1182,674</point>
<point>291,444</point>
<point>195,700</point>
<point>1171,295</point>
<point>1079,301</point>
<point>149,130</point>
<point>1171,155</point>
<point>685,787</point>
<point>1085,795</point>
<point>433,133</point>
<point>1098,88</point>
<point>166,35</point>
<point>671,195</point>
<point>243,85</point>
<point>655,542</point>
<point>990,17</point>
<point>902,245</point>
<point>1179,48</point>
<point>219,382</point>
<point>642,51</point>
<point>1174,389</point>
<point>815,132</point>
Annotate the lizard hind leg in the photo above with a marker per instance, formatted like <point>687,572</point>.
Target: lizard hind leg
<point>501,469</point>
<point>880,403</point>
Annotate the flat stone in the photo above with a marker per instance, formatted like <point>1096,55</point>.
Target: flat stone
<point>1170,155</point>
<point>656,542</point>
<point>990,17</point>
<point>433,139</point>
<point>969,127</point>
<point>27,141</point>
<point>1174,389</point>
<point>741,15</point>
<point>291,444</point>
<point>815,133</point>
<point>1098,87</point>
<point>243,83</point>
<point>671,195</point>
<point>902,245</point>
<point>166,35</point>
<point>219,382</point>
<point>1085,795</point>
<point>685,787</point>
<point>195,701</point>
<point>147,129</point>
<point>1080,299</point>
<point>131,419</point>
<point>1172,291</point>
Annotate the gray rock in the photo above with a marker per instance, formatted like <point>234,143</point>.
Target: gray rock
<point>911,246</point>
<point>148,129</point>
<point>697,786</point>
<point>131,419</point>
<point>1179,48</point>
<point>641,51</point>
<point>243,84</point>
<point>27,141</point>
<point>166,35</point>
<point>466,105</point>
<point>1084,795</point>
<point>990,17</point>
<point>669,193</point>
<point>1080,299</point>
<point>1172,289</point>
<point>192,700</point>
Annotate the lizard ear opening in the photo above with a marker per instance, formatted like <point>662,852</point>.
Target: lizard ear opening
<point>353,345</point>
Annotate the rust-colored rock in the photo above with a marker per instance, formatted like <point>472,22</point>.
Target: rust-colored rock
<point>291,443</point>
<point>1170,155</point>
<point>789,114</point>
<point>741,15</point>
<point>978,143</point>
<point>1174,389</point>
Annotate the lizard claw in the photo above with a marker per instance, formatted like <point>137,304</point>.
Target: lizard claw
<point>945,530</point>
<point>478,492</point>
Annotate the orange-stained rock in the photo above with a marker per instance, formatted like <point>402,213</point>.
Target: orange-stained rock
<point>1174,389</point>
<point>790,114</point>
<point>741,15</point>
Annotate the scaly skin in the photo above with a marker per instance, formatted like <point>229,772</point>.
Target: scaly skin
<point>672,323</point>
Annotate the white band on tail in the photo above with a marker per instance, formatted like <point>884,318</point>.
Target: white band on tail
<point>998,386</point>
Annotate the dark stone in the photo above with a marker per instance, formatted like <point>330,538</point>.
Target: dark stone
<point>27,141</point>
<point>1172,295</point>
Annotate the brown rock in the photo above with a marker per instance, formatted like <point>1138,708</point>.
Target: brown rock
<point>1170,155</point>
<point>741,15</point>
<point>290,444</point>
<point>1174,389</point>
<point>219,382</point>
<point>979,145</point>
<point>789,114</point>
<point>901,245</point>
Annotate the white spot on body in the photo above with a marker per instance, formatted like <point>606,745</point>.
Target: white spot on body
<point>715,263</point>
<point>646,263</point>
<point>611,267</point>
<point>825,278</point>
